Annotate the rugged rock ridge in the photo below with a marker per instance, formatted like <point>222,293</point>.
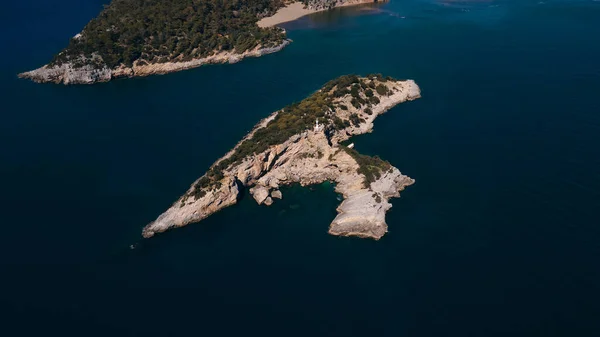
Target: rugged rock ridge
<point>67,73</point>
<point>328,4</point>
<point>310,157</point>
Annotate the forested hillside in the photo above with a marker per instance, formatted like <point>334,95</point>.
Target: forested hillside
<point>157,31</point>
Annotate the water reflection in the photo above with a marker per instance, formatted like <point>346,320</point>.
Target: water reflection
<point>335,15</point>
<point>484,11</point>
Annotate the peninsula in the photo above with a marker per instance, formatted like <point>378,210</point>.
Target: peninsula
<point>144,37</point>
<point>303,143</point>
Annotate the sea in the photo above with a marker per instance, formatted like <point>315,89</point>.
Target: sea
<point>499,236</point>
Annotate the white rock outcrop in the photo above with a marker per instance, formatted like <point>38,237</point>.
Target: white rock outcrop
<point>312,157</point>
<point>276,194</point>
<point>328,4</point>
<point>68,73</point>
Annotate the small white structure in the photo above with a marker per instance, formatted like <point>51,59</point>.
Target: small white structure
<point>351,146</point>
<point>318,128</point>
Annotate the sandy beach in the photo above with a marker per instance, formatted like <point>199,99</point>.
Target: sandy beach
<point>291,12</point>
<point>296,10</point>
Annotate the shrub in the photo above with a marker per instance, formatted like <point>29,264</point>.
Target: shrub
<point>381,89</point>
<point>355,119</point>
<point>370,167</point>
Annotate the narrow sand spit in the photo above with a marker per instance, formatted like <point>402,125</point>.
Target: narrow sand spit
<point>288,13</point>
<point>297,10</point>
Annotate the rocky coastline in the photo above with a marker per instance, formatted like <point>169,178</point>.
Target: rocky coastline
<point>67,73</point>
<point>312,156</point>
<point>92,69</point>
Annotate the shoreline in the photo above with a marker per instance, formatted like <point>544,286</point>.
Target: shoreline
<point>310,157</point>
<point>66,74</point>
<point>291,12</point>
<point>297,10</point>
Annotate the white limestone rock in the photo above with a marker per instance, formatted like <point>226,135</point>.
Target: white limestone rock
<point>308,158</point>
<point>71,73</point>
<point>260,194</point>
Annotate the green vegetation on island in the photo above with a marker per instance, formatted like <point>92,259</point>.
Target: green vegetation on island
<point>158,31</point>
<point>299,117</point>
<point>370,167</point>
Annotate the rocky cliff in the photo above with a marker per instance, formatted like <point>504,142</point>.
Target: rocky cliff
<point>68,73</point>
<point>311,156</point>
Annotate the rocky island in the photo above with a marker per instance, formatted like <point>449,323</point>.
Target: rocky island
<point>144,37</point>
<point>303,143</point>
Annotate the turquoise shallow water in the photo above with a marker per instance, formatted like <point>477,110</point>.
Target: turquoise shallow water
<point>499,236</point>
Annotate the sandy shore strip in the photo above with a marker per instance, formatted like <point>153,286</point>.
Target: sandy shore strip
<point>288,13</point>
<point>296,10</point>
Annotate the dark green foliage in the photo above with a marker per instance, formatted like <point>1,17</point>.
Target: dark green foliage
<point>368,111</point>
<point>200,185</point>
<point>370,167</point>
<point>340,124</point>
<point>355,119</point>
<point>374,100</point>
<point>166,30</point>
<point>343,107</point>
<point>382,89</point>
<point>342,82</point>
<point>380,77</point>
<point>292,120</point>
<point>340,92</point>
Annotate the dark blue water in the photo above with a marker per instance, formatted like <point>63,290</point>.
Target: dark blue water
<point>500,236</point>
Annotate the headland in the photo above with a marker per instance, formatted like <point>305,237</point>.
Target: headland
<point>303,144</point>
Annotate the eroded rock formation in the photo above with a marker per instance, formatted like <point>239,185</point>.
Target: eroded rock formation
<point>310,157</point>
<point>68,73</point>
